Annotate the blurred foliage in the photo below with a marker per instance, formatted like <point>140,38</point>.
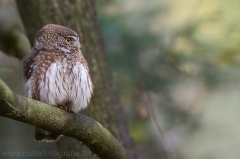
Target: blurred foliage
<point>168,60</point>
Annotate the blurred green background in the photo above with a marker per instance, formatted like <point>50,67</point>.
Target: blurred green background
<point>176,67</point>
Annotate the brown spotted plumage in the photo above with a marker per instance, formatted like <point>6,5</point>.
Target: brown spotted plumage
<point>57,73</point>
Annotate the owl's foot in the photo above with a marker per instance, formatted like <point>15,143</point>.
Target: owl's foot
<point>63,107</point>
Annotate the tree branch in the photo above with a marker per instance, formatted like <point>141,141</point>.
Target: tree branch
<point>78,126</point>
<point>13,40</point>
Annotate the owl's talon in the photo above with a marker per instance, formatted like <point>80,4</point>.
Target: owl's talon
<point>60,106</point>
<point>63,107</point>
<point>66,108</point>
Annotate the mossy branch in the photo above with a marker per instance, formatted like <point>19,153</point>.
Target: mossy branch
<point>78,126</point>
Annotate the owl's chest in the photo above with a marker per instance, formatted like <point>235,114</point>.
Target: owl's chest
<point>65,83</point>
<point>64,77</point>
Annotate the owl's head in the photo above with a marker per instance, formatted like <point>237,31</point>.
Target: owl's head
<point>52,37</point>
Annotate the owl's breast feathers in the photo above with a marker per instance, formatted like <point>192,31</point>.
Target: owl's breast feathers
<point>58,80</point>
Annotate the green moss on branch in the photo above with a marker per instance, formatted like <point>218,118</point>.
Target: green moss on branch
<point>78,126</point>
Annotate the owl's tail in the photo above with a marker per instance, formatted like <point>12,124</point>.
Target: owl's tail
<point>44,135</point>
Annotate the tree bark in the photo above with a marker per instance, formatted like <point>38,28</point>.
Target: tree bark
<point>80,15</point>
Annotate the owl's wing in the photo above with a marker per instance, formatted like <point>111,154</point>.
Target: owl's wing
<point>84,63</point>
<point>28,63</point>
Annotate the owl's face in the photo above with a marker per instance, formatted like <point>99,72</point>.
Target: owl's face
<point>52,37</point>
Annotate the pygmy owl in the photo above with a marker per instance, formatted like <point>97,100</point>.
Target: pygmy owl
<point>57,73</point>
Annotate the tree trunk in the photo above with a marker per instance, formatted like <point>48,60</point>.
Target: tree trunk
<point>80,15</point>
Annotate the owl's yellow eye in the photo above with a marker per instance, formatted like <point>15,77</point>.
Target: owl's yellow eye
<point>68,41</point>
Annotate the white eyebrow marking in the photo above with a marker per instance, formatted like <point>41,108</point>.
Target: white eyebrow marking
<point>74,38</point>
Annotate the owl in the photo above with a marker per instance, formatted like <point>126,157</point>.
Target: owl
<point>56,73</point>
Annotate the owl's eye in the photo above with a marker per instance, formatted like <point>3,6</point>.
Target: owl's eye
<point>68,41</point>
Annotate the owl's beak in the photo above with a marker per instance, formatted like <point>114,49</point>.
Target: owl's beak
<point>78,48</point>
